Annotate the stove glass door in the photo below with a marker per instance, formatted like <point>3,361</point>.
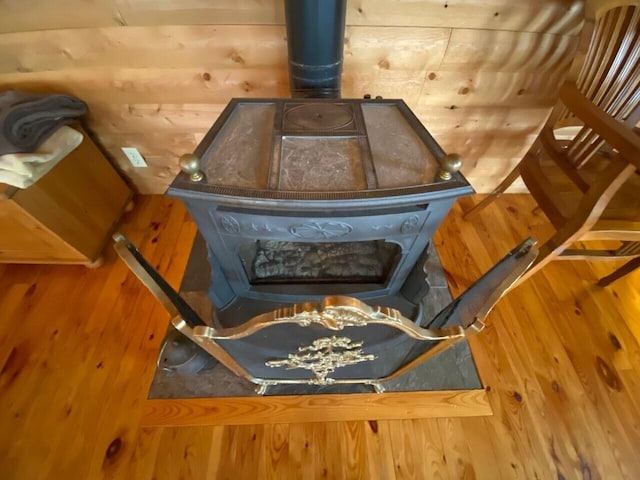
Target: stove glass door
<point>270,261</point>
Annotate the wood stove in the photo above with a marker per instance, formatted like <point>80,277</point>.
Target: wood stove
<point>311,199</point>
<point>298,199</point>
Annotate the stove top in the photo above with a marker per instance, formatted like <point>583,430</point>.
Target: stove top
<point>320,149</point>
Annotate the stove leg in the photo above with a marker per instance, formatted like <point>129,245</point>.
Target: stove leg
<point>97,263</point>
<point>417,285</point>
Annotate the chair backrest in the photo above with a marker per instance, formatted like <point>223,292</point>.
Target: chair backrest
<point>339,340</point>
<point>609,78</point>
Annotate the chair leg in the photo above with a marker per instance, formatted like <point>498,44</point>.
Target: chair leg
<point>628,267</point>
<point>499,190</point>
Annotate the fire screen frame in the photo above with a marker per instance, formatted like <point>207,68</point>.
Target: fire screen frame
<point>462,317</point>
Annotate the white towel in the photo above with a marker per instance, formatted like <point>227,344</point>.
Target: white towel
<point>24,169</point>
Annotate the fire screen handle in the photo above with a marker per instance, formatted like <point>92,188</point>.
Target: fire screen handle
<point>472,306</point>
<point>157,285</point>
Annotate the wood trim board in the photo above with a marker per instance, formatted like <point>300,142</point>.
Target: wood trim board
<point>315,408</point>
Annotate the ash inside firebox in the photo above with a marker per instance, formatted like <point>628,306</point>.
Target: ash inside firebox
<point>346,261</point>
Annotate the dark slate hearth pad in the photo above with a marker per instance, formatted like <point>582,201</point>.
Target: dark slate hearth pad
<point>452,369</point>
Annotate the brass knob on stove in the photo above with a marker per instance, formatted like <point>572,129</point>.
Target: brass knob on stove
<point>190,164</point>
<point>449,165</point>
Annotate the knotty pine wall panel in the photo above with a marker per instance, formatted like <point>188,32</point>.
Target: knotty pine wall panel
<point>30,15</point>
<point>553,16</point>
<point>481,75</point>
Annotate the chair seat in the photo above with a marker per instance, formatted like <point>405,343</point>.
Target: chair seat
<point>559,197</point>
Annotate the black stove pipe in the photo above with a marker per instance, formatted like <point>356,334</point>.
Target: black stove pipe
<point>315,37</point>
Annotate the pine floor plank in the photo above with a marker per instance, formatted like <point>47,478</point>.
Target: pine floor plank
<point>144,458</point>
<point>378,451</point>
<point>456,449</point>
<point>430,449</point>
<point>351,440</point>
<point>566,408</point>
<point>183,453</point>
<point>486,461</point>
<point>328,454</point>
<point>275,452</point>
<point>301,452</point>
<point>402,435</point>
<point>590,355</point>
<point>215,454</point>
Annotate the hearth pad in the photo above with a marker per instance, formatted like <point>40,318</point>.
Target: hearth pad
<point>453,369</point>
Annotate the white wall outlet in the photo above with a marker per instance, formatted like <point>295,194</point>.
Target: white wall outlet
<point>134,156</point>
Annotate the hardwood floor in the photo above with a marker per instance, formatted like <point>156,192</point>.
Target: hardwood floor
<point>560,359</point>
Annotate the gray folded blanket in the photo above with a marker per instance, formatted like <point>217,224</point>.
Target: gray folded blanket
<point>27,119</point>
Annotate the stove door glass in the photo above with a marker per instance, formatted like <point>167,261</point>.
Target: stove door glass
<point>269,261</point>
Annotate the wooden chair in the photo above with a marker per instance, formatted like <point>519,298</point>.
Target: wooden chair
<point>339,340</point>
<point>628,267</point>
<point>588,186</point>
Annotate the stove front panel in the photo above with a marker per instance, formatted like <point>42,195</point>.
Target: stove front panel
<point>293,256</point>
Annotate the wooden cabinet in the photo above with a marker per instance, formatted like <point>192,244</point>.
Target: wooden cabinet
<point>68,215</point>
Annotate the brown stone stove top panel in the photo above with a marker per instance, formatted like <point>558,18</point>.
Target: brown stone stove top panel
<point>325,148</point>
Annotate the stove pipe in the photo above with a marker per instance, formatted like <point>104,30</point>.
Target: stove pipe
<point>315,37</point>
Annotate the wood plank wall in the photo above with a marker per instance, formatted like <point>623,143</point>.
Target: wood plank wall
<point>481,75</point>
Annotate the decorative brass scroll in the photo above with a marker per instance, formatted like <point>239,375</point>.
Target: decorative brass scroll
<point>323,356</point>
